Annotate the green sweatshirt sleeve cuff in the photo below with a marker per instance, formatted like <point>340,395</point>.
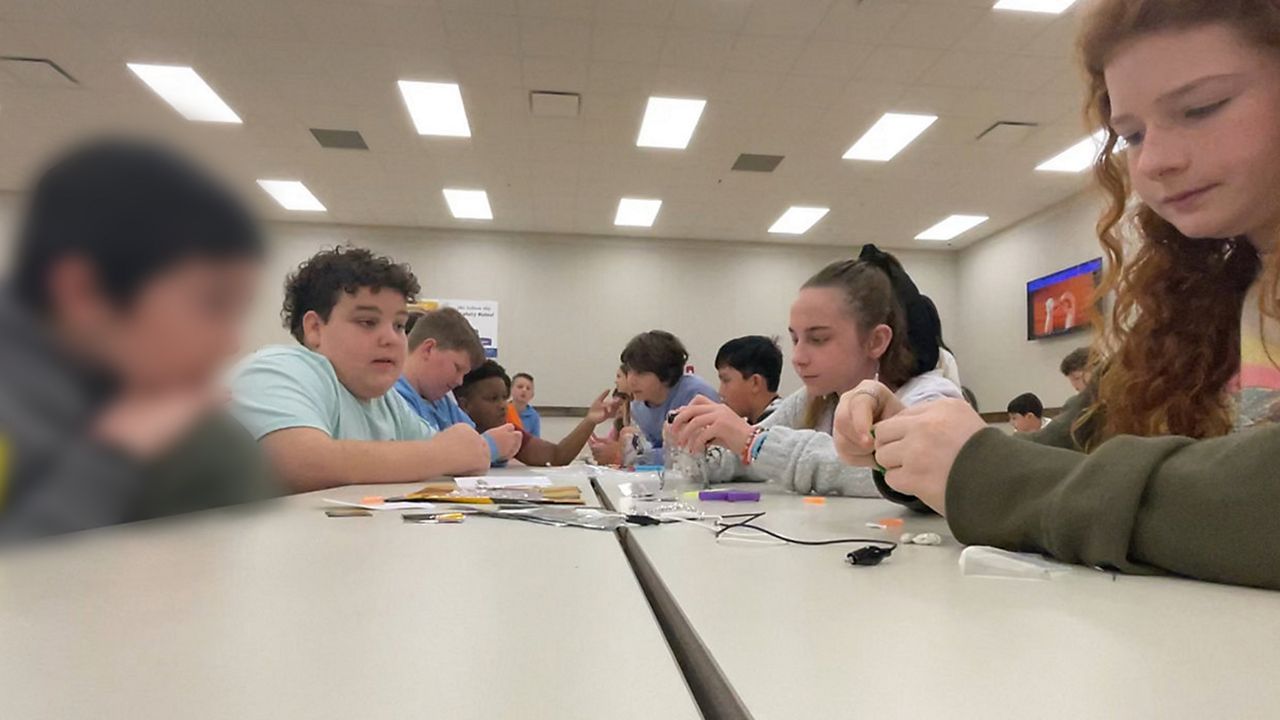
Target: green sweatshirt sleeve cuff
<point>1033,498</point>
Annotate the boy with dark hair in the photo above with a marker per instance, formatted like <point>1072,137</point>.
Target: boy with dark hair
<point>324,409</point>
<point>443,347</point>
<point>1026,413</point>
<point>1075,367</point>
<point>483,395</point>
<point>521,412</point>
<point>133,272</point>
<point>655,363</point>
<point>750,370</point>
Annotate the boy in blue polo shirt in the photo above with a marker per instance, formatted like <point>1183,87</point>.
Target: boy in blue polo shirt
<point>443,348</point>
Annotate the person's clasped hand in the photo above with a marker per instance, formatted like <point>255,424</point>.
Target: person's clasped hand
<point>705,422</point>
<point>916,446</point>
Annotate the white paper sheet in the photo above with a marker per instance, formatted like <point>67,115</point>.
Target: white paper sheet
<point>419,506</point>
<point>470,484</point>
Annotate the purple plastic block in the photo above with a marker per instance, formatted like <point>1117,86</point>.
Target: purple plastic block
<point>730,495</point>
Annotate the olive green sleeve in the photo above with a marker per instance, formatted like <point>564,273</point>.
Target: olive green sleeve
<point>1203,509</point>
<point>218,464</point>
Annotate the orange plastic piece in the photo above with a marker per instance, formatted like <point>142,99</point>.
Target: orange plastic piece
<point>815,500</point>
<point>890,522</point>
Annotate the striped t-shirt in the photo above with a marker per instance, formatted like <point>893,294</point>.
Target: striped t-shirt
<point>1256,389</point>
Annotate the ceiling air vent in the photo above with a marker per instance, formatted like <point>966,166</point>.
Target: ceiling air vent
<point>1007,132</point>
<point>554,104</point>
<point>35,72</point>
<point>339,139</point>
<point>757,163</point>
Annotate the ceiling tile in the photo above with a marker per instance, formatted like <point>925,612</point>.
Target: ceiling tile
<point>480,33</point>
<point>643,12</point>
<point>831,58</point>
<point>711,15</point>
<point>888,63</point>
<point>626,43</point>
<point>764,53</point>
<point>564,9</point>
<point>697,49</point>
<point>555,74</point>
<point>860,22</point>
<point>549,37</point>
<point>793,17</point>
<point>931,25</point>
<point>963,69</point>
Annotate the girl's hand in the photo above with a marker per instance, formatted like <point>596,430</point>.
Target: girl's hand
<point>705,422</point>
<point>919,446</point>
<point>859,410</point>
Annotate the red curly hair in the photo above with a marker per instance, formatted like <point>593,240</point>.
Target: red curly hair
<point>1173,341</point>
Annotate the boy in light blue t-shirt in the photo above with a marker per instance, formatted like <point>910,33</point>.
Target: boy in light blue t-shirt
<point>324,409</point>
<point>655,363</point>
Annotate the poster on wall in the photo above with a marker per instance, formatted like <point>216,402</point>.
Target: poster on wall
<point>482,314</point>
<point>1059,304</point>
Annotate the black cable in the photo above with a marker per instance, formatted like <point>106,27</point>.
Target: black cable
<point>749,517</point>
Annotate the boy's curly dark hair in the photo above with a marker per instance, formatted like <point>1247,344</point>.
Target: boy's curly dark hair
<point>316,283</point>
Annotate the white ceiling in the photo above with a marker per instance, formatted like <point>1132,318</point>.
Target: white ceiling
<point>800,78</point>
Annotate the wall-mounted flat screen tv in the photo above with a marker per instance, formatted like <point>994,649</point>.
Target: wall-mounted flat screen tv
<point>1058,304</point>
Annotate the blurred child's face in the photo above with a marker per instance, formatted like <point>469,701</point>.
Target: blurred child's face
<point>437,371</point>
<point>736,391</point>
<point>1200,111</point>
<point>181,328</point>
<point>830,355</point>
<point>621,383</point>
<point>645,386</point>
<point>522,391</point>
<point>486,403</point>
<point>1024,422</point>
<point>364,339</point>
<point>1078,379</point>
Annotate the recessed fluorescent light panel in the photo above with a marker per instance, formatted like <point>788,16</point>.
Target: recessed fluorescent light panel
<point>1078,157</point>
<point>952,227</point>
<point>468,204</point>
<point>635,212</point>
<point>888,137</point>
<point>1041,6</point>
<point>797,220</point>
<point>436,108</point>
<point>187,92</point>
<point>292,195</point>
<point>669,122</point>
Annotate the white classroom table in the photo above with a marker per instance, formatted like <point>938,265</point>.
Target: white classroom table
<point>287,613</point>
<point>799,633</point>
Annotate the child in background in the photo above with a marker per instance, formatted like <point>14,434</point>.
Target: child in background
<point>324,409</point>
<point>1167,460</point>
<point>483,396</point>
<point>655,363</point>
<point>750,370</point>
<point>522,394</point>
<point>1026,413</point>
<point>610,450</point>
<point>132,275</point>
<point>853,320</point>
<point>1075,368</point>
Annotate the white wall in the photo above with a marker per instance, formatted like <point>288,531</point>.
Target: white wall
<point>568,304</point>
<point>997,361</point>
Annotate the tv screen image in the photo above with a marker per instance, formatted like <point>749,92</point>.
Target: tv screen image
<point>1059,304</point>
